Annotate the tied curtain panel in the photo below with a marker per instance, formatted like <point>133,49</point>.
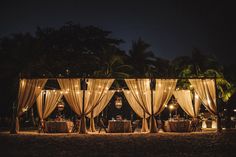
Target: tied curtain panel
<point>99,108</point>
<point>163,91</point>
<point>141,93</point>
<point>184,99</point>
<point>96,91</point>
<point>205,88</point>
<point>29,89</point>
<point>72,93</point>
<point>137,109</point>
<point>47,102</point>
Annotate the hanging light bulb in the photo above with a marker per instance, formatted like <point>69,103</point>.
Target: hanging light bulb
<point>60,105</point>
<point>118,102</point>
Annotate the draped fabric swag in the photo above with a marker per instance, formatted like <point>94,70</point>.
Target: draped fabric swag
<point>184,99</point>
<point>141,92</point>
<point>137,109</point>
<point>163,91</point>
<point>83,102</point>
<point>29,89</point>
<point>47,102</point>
<point>205,88</point>
<point>99,108</point>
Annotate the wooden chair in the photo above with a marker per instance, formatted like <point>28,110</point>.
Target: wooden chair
<point>135,125</point>
<point>102,125</point>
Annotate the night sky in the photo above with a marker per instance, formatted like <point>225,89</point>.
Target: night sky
<point>172,28</point>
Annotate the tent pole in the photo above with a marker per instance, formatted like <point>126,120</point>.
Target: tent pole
<point>82,128</point>
<point>219,127</point>
<point>153,125</point>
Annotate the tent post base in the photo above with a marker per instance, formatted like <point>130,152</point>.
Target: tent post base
<point>153,125</point>
<point>82,128</point>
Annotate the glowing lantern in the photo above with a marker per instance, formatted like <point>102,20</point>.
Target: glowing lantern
<point>60,106</point>
<point>118,102</point>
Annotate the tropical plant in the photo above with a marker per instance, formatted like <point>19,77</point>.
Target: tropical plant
<point>142,59</point>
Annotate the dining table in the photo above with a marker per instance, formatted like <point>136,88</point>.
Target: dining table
<point>64,126</point>
<point>179,125</point>
<point>119,126</point>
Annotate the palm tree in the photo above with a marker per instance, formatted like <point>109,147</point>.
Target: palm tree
<point>202,65</point>
<point>114,67</point>
<point>142,59</point>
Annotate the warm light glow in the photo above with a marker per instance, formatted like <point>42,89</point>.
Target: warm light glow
<point>77,92</point>
<point>165,106</point>
<point>234,110</point>
<point>39,87</point>
<point>171,107</point>
<point>209,101</point>
<point>159,85</point>
<point>118,102</point>
<point>196,96</point>
<point>23,82</point>
<point>204,124</point>
<point>214,124</point>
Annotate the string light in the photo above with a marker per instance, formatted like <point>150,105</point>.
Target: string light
<point>196,96</point>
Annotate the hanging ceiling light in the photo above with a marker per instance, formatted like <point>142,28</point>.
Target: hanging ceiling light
<point>60,105</point>
<point>118,102</point>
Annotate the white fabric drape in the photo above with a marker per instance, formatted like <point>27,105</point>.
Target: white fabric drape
<point>197,104</point>
<point>140,90</point>
<point>163,91</point>
<point>205,88</point>
<point>103,103</point>
<point>140,99</point>
<point>47,102</point>
<point>96,90</point>
<point>137,109</point>
<point>72,93</point>
<point>29,90</point>
<point>99,108</point>
<point>184,99</point>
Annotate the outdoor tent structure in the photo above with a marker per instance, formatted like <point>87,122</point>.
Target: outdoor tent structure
<point>87,97</point>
